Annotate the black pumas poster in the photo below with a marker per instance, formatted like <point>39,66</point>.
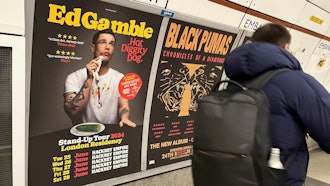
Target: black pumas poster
<point>191,63</point>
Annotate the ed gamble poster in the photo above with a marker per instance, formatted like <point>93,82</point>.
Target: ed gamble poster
<point>88,90</point>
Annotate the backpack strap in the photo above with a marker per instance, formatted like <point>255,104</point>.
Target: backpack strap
<point>258,83</point>
<point>232,82</point>
<point>262,79</point>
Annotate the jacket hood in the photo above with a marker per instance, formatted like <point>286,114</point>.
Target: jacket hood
<point>250,60</point>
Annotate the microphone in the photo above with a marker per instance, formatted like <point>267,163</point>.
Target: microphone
<point>96,72</point>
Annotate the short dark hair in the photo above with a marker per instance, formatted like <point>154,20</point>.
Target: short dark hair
<point>272,33</point>
<point>106,31</point>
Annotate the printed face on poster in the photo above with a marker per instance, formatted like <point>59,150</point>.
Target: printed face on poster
<point>191,63</point>
<point>76,113</point>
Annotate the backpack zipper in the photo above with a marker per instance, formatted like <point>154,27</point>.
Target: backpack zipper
<point>222,154</point>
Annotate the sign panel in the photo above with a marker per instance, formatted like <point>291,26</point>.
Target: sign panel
<point>319,60</point>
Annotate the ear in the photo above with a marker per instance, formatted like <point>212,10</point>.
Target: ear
<point>287,47</point>
<point>93,48</point>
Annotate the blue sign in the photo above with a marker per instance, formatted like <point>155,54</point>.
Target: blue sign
<point>167,13</point>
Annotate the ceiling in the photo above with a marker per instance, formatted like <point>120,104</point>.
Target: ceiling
<point>324,4</point>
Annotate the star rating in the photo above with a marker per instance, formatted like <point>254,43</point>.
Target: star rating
<point>65,36</point>
<point>64,41</point>
<point>68,53</point>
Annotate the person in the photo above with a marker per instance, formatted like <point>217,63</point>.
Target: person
<point>94,97</point>
<point>299,104</point>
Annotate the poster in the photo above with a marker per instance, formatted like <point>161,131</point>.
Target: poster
<point>67,147</point>
<point>191,63</point>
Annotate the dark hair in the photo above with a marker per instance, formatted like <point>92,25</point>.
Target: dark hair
<point>97,34</point>
<point>272,33</point>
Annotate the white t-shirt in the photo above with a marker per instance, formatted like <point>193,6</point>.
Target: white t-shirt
<point>103,107</point>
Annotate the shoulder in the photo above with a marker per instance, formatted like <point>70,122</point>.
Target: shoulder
<point>296,79</point>
<point>79,74</point>
<point>115,73</point>
<point>75,80</point>
<point>296,86</point>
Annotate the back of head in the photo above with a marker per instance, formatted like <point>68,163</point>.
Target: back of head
<point>272,33</point>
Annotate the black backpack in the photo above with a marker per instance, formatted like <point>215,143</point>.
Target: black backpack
<point>231,138</point>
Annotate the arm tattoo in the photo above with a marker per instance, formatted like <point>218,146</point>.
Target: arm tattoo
<point>72,103</point>
<point>124,111</point>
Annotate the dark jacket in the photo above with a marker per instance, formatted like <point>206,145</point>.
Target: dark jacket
<point>299,104</point>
